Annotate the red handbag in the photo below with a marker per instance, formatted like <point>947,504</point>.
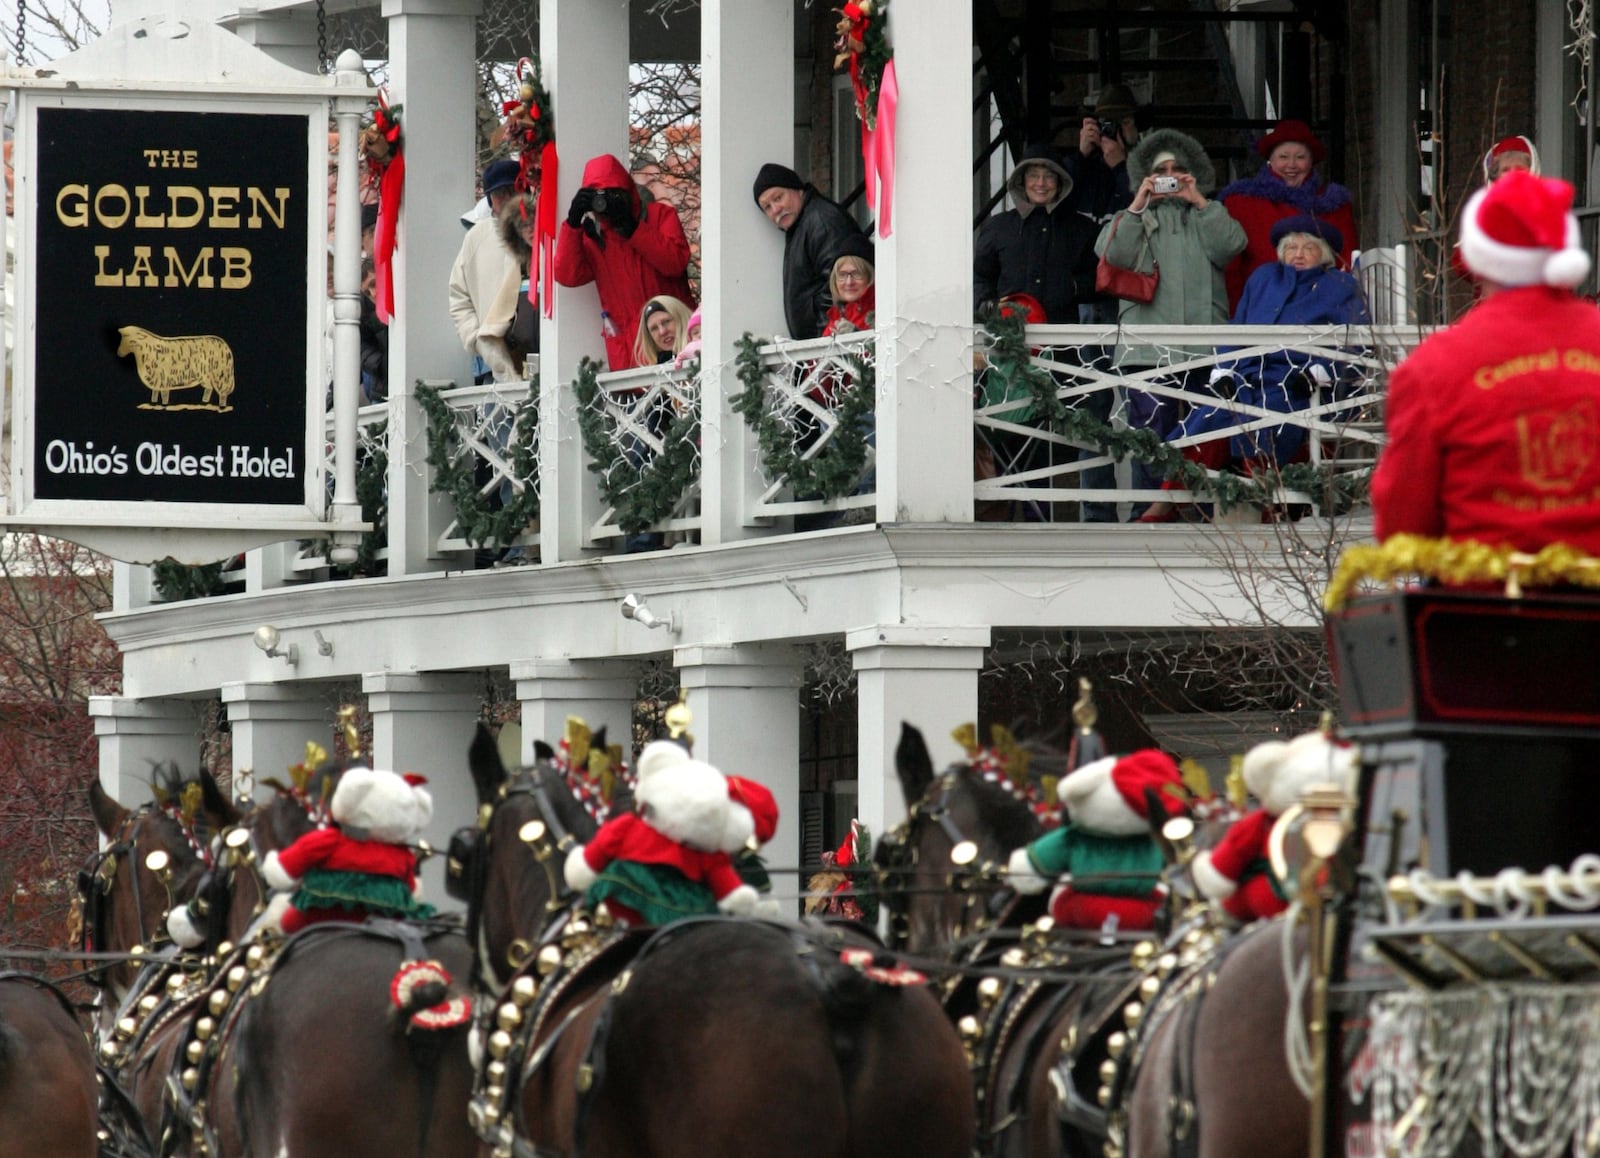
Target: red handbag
<point>1127,284</point>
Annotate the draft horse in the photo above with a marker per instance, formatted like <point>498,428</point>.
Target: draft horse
<point>715,1036</point>
<point>1038,1008</point>
<point>302,1048</point>
<point>48,1096</point>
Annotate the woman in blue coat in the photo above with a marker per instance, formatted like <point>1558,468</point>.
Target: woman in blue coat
<point>1301,288</point>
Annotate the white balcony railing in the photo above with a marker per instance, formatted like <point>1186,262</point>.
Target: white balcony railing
<point>814,408</point>
<point>310,559</point>
<point>646,422</point>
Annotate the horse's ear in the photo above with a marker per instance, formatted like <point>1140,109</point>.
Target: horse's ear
<point>543,751</point>
<point>108,814</point>
<point>221,811</point>
<point>488,771</point>
<point>913,764</point>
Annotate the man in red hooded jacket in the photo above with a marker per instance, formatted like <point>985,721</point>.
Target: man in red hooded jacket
<point>1494,423</point>
<point>630,250</point>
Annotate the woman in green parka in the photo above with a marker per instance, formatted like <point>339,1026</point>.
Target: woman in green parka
<point>1190,239</point>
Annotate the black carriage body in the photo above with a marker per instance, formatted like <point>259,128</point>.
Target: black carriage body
<point>1478,720</point>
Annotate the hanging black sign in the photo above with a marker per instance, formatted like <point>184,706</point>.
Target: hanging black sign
<point>170,306</point>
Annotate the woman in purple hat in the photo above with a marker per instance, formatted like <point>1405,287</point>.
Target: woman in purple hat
<point>1286,186</point>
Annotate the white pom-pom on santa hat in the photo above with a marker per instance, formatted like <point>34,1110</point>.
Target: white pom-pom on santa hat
<point>1520,231</point>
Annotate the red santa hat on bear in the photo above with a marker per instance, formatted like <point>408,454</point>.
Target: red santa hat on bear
<point>1109,795</point>
<point>752,815</point>
<point>1520,231</point>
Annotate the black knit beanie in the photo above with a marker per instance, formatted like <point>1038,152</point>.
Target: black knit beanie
<point>774,175</point>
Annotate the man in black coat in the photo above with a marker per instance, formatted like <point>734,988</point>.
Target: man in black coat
<point>815,232</point>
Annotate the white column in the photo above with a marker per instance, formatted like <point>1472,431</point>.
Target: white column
<point>135,734</point>
<point>423,722</point>
<point>584,50</point>
<point>271,724</point>
<point>746,709</point>
<point>923,676</point>
<point>925,276</point>
<point>433,72</point>
<point>747,119</point>
<point>598,692</point>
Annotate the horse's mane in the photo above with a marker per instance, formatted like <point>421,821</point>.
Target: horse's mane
<point>169,784</point>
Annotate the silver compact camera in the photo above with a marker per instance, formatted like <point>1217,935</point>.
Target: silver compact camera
<point>1164,185</point>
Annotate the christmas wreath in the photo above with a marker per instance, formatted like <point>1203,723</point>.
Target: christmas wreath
<point>837,469</point>
<point>455,470</point>
<point>382,147</point>
<point>863,44</point>
<point>530,127</point>
<point>641,493</point>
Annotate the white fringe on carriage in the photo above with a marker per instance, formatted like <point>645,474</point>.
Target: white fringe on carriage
<point>1517,1065</point>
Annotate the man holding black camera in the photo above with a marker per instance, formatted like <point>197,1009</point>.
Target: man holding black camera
<point>631,251</point>
<point>1099,168</point>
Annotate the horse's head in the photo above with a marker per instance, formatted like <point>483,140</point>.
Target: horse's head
<point>232,894</point>
<point>153,858</point>
<point>956,821</point>
<point>509,869</point>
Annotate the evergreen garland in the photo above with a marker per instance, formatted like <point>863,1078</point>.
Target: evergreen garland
<point>836,470</point>
<point>641,493</point>
<point>176,582</point>
<point>1009,359</point>
<point>455,470</point>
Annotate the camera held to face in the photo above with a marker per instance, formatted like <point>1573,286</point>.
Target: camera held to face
<point>1164,185</point>
<point>1109,129</point>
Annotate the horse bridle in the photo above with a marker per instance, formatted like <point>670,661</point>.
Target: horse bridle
<point>897,855</point>
<point>95,885</point>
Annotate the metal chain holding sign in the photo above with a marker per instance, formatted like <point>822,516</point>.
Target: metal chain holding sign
<point>322,37</point>
<point>22,32</point>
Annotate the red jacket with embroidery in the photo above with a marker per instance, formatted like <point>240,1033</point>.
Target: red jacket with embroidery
<point>1494,427</point>
<point>329,848</point>
<point>1240,856</point>
<point>630,838</point>
<point>627,271</point>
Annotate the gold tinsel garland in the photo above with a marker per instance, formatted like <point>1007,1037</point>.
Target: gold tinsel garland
<point>1456,563</point>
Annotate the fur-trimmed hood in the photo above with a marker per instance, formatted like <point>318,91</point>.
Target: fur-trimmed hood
<point>1037,155</point>
<point>506,223</point>
<point>1190,153</point>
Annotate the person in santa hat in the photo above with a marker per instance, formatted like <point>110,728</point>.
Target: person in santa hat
<point>1494,424</point>
<point>1106,855</point>
<point>362,864</point>
<point>1236,872</point>
<point>1507,154</point>
<point>665,860</point>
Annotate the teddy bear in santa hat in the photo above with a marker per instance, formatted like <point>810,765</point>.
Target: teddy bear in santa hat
<point>665,860</point>
<point>1106,854</point>
<point>1236,872</point>
<point>363,863</point>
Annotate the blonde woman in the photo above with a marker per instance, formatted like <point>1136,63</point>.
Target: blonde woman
<point>663,330</point>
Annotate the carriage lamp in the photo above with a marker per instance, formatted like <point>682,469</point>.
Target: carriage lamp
<point>635,609</point>
<point>267,638</point>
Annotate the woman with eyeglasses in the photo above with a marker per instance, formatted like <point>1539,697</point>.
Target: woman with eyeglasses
<point>855,296</point>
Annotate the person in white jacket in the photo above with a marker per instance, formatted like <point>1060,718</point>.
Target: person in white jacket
<point>478,281</point>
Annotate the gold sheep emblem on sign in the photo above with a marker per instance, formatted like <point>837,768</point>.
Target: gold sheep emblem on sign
<point>168,364</point>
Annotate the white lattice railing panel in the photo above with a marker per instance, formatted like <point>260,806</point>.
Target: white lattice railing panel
<point>485,419</point>
<point>1153,377</point>
<point>372,442</point>
<point>647,414</point>
<point>808,388</point>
